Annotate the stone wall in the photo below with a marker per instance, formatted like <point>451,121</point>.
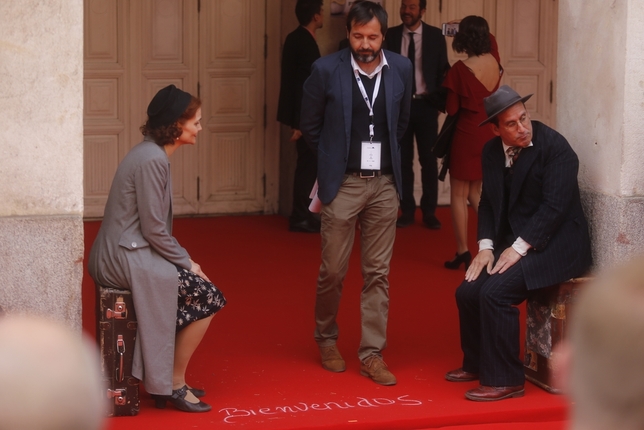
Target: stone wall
<point>600,110</point>
<point>41,166</point>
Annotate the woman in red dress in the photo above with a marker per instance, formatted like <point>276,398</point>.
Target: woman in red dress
<point>468,82</point>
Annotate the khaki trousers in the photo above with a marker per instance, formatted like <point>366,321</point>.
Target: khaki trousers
<point>374,203</point>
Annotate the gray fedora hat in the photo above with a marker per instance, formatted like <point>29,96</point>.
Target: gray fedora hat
<point>500,100</point>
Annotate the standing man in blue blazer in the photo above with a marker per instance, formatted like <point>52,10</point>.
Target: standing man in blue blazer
<point>425,46</point>
<point>532,234</point>
<point>355,110</point>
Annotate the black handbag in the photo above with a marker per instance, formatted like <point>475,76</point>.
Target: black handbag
<point>444,140</point>
<point>443,144</point>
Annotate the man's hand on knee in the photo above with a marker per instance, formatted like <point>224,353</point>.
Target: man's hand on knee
<point>508,258</point>
<point>484,259</point>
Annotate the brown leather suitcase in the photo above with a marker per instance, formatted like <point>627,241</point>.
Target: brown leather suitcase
<point>548,311</point>
<point>116,334</point>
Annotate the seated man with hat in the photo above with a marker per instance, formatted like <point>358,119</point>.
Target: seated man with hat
<point>532,234</point>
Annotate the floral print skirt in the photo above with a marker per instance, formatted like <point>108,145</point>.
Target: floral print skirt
<point>198,298</point>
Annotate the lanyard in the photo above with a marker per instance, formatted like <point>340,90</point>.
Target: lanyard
<point>366,98</point>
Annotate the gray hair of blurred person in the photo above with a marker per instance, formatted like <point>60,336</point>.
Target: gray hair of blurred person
<point>50,377</point>
<point>606,380</point>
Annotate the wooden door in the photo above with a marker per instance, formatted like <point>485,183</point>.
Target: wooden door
<point>106,110</point>
<point>231,67</point>
<point>164,50</point>
<point>211,48</point>
<point>526,31</point>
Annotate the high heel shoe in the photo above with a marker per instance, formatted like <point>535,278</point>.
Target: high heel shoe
<point>178,400</point>
<point>454,264</point>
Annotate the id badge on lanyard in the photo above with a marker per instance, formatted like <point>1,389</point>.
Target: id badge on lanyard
<point>370,154</point>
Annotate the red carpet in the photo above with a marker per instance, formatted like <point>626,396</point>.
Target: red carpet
<point>260,365</point>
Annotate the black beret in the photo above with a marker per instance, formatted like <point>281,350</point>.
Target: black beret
<point>167,106</point>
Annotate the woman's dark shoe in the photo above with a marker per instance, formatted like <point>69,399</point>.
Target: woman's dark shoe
<point>454,264</point>
<point>197,392</point>
<point>178,400</point>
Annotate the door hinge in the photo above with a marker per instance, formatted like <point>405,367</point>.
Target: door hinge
<point>265,46</point>
<point>551,91</point>
<point>198,6</point>
<point>198,187</point>
<point>265,116</point>
<point>264,183</point>
<point>440,6</point>
<point>199,89</point>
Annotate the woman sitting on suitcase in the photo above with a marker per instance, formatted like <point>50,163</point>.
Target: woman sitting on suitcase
<point>173,299</point>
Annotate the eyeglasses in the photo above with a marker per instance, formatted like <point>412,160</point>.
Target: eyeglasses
<point>514,125</point>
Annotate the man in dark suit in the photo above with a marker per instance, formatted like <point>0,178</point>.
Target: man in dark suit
<point>532,234</point>
<point>354,111</point>
<point>299,52</point>
<point>425,46</point>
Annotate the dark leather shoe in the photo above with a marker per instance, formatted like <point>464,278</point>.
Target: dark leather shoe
<point>460,375</point>
<point>178,400</point>
<point>405,221</point>
<point>485,393</point>
<point>197,392</point>
<point>304,227</point>
<point>432,222</point>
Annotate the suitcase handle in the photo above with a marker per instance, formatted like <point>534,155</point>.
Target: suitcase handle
<point>120,348</point>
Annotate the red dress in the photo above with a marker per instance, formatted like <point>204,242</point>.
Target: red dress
<point>465,96</point>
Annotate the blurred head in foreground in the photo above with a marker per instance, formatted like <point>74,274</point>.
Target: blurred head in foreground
<point>49,375</point>
<point>606,351</point>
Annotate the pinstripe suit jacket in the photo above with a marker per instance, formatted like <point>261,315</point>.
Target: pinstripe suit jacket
<point>544,207</point>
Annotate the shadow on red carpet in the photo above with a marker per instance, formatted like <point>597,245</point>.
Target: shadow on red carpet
<point>260,365</point>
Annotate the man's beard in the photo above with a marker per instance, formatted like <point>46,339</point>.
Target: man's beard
<point>413,19</point>
<point>365,56</point>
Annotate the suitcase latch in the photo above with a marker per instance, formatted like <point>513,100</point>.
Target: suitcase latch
<point>120,310</point>
<point>118,396</point>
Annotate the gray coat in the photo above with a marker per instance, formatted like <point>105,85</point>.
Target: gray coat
<point>135,250</point>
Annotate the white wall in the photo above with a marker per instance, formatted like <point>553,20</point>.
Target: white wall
<point>41,166</point>
<point>600,97</point>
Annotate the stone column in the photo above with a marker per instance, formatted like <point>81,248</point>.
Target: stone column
<point>41,161</point>
<point>600,110</point>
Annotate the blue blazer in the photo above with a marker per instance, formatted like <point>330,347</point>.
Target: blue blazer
<point>326,115</point>
<point>544,207</point>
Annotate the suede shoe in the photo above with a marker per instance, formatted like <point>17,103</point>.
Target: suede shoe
<point>460,375</point>
<point>331,359</point>
<point>376,369</point>
<point>486,393</point>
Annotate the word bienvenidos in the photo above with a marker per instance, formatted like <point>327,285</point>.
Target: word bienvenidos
<point>232,414</point>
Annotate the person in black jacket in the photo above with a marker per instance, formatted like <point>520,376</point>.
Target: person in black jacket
<point>532,234</point>
<point>430,63</point>
<point>299,52</point>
